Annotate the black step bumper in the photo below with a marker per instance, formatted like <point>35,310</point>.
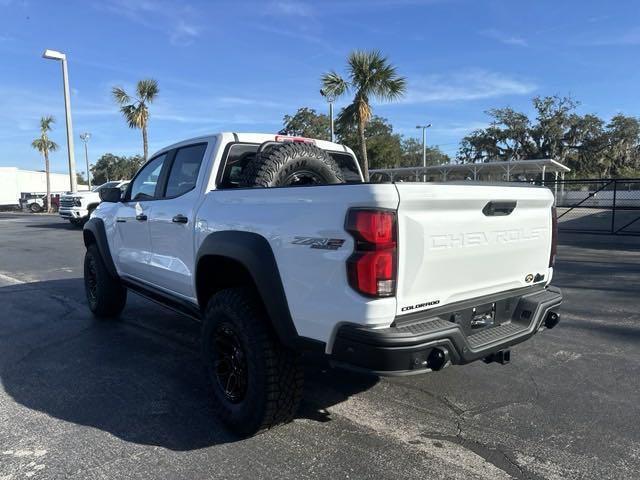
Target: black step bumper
<point>407,347</point>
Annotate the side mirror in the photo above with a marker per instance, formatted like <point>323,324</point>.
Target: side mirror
<point>111,195</point>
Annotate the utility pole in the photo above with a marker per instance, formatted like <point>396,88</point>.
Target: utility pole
<point>54,55</point>
<point>330,99</point>
<point>85,138</point>
<point>424,148</point>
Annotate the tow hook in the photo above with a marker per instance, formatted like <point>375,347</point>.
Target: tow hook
<point>502,357</point>
<point>551,319</point>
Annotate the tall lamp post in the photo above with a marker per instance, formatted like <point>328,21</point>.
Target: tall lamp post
<point>330,99</point>
<point>85,138</point>
<point>55,55</point>
<point>424,148</point>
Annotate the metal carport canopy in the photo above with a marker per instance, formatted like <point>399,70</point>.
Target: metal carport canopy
<point>507,168</point>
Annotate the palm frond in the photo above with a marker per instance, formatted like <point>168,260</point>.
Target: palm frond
<point>45,123</point>
<point>147,90</point>
<point>120,96</point>
<point>38,144</point>
<point>53,146</point>
<point>348,115</point>
<point>373,75</point>
<point>136,115</point>
<point>333,84</point>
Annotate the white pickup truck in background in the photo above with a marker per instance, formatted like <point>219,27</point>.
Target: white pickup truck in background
<point>390,279</point>
<point>77,207</point>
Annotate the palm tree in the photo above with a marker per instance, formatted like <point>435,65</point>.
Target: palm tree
<point>44,146</point>
<point>136,110</point>
<point>370,75</point>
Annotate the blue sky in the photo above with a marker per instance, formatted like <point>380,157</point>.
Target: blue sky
<point>241,66</point>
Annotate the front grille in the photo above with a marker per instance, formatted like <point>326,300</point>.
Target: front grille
<point>64,202</point>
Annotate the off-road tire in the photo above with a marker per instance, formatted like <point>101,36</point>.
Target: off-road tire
<point>274,379</point>
<point>35,208</point>
<point>277,165</point>
<point>109,297</point>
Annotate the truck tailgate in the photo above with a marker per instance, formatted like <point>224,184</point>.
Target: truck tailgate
<point>461,241</point>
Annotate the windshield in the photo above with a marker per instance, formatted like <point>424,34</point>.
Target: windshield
<point>105,185</point>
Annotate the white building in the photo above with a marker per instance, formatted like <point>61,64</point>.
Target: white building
<point>14,181</point>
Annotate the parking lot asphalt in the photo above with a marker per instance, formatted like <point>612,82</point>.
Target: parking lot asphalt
<point>81,398</point>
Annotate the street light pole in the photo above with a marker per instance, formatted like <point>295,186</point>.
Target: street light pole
<point>330,99</point>
<point>85,138</point>
<point>54,55</point>
<point>424,147</point>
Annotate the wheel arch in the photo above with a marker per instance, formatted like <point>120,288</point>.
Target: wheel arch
<point>94,233</point>
<point>232,258</point>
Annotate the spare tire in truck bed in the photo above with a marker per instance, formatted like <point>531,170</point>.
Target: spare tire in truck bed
<point>291,164</point>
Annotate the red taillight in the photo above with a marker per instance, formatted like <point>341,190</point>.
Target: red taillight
<point>554,237</point>
<point>372,267</point>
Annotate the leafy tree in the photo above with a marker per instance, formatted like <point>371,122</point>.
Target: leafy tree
<point>412,154</point>
<point>584,143</point>
<point>113,167</point>
<point>80,178</point>
<point>623,152</point>
<point>384,148</point>
<point>136,110</point>
<point>306,123</point>
<point>44,145</point>
<point>370,75</point>
<point>554,115</point>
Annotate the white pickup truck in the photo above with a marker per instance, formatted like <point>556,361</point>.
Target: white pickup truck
<point>390,279</point>
<point>78,206</point>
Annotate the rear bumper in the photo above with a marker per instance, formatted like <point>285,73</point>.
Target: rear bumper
<point>407,347</point>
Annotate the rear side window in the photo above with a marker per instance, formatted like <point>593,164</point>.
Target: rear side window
<point>237,158</point>
<point>240,154</point>
<point>348,165</point>
<point>184,170</point>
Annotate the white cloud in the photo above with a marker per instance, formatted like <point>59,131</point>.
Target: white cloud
<point>248,101</point>
<point>470,85</point>
<point>629,38</point>
<point>175,19</point>
<point>290,8</point>
<point>505,38</point>
<point>183,34</point>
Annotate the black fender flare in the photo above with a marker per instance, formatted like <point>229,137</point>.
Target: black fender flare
<point>254,252</point>
<point>95,228</point>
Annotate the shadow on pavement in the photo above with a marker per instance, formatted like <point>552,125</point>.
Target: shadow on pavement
<point>139,379</point>
<point>64,225</point>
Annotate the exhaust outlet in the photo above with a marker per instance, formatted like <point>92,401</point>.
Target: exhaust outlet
<point>551,320</point>
<point>438,358</point>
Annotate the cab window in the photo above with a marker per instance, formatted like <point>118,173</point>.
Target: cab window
<point>145,184</point>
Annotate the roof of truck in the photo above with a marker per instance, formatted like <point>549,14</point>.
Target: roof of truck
<point>249,137</point>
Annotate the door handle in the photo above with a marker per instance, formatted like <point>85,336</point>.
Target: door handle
<point>141,217</point>
<point>120,220</point>
<point>179,219</point>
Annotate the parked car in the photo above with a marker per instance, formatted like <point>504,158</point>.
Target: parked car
<point>77,207</point>
<point>35,202</point>
<point>388,279</point>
